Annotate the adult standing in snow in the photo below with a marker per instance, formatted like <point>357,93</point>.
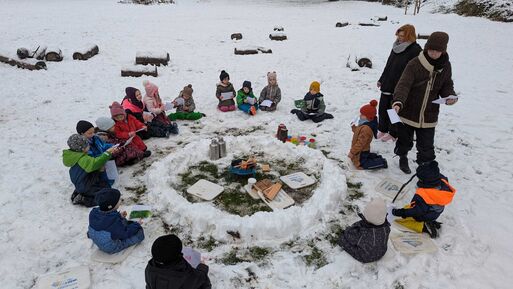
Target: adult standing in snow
<point>404,49</point>
<point>426,78</point>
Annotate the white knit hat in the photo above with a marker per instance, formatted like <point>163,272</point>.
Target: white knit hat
<point>104,123</point>
<point>375,212</point>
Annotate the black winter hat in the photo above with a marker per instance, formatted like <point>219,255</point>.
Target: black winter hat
<point>437,41</point>
<point>247,84</point>
<point>167,249</point>
<point>83,126</point>
<point>223,75</point>
<point>107,199</point>
<point>428,175</point>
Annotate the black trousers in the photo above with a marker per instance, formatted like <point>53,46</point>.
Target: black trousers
<point>425,142</point>
<point>384,125</point>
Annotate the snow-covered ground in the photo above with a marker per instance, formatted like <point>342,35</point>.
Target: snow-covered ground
<point>41,232</point>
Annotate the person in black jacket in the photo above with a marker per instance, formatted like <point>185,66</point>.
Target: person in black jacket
<point>169,270</point>
<point>404,49</point>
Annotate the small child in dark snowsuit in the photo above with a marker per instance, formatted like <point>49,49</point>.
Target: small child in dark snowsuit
<point>363,132</point>
<point>185,106</point>
<point>432,195</point>
<point>314,106</point>
<point>225,93</point>
<point>246,100</point>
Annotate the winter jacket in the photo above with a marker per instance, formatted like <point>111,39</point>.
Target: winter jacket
<point>272,93</point>
<point>364,241</point>
<point>97,146</point>
<point>418,86</point>
<point>428,203</point>
<point>134,110</point>
<point>129,124</point>
<point>84,171</point>
<point>395,65</point>
<point>314,103</point>
<point>242,97</point>
<point>154,104</point>
<point>362,138</point>
<point>176,276</point>
<point>186,102</point>
<point>109,230</point>
<point>222,89</point>
<point>125,154</point>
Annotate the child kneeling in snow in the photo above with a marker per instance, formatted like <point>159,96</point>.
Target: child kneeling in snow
<point>271,92</point>
<point>363,132</point>
<point>246,100</point>
<point>108,228</point>
<point>185,106</point>
<point>314,106</point>
<point>85,171</point>
<point>168,269</point>
<point>126,127</point>
<point>154,105</point>
<point>225,93</point>
<point>366,240</point>
<point>432,195</point>
<point>126,155</point>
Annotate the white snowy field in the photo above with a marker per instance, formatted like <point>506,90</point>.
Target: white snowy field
<point>41,232</point>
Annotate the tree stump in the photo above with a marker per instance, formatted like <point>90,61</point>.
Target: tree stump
<point>341,24</point>
<point>236,36</point>
<point>264,50</point>
<point>28,64</point>
<point>422,36</point>
<point>364,62</point>
<point>278,36</point>
<point>23,53</point>
<point>368,24</point>
<point>246,51</point>
<point>138,71</point>
<point>86,53</point>
<point>153,58</point>
<point>278,28</point>
<point>53,54</point>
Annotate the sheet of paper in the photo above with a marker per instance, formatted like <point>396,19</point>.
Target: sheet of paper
<point>266,103</point>
<point>169,106</point>
<point>128,141</point>
<point>179,101</point>
<point>392,114</point>
<point>355,120</point>
<point>141,129</point>
<point>226,95</point>
<point>251,100</point>
<point>111,169</point>
<point>443,100</point>
<point>192,256</point>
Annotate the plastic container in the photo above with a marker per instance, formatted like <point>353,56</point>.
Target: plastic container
<point>251,182</point>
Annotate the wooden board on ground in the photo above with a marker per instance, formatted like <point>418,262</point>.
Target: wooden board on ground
<point>281,201</point>
<point>205,190</point>
<point>30,64</point>
<point>139,70</point>
<point>297,180</point>
<point>390,187</point>
<point>341,24</point>
<point>100,256</point>
<point>278,36</point>
<point>413,243</point>
<point>72,278</point>
<point>87,52</point>
<point>154,58</point>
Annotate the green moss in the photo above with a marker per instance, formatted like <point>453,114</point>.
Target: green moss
<point>242,204</point>
<point>230,258</point>
<point>207,244</point>
<point>334,234</point>
<point>138,192</point>
<point>398,285</point>
<point>352,185</point>
<point>316,258</point>
<point>258,253</point>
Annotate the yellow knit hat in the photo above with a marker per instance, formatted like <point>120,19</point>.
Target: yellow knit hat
<point>315,86</point>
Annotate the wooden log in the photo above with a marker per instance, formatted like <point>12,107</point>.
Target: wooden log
<point>154,58</point>
<point>247,51</point>
<point>341,24</point>
<point>422,36</point>
<point>138,71</point>
<point>364,62</point>
<point>264,50</point>
<point>278,36</point>
<point>23,53</point>
<point>28,64</point>
<point>368,24</point>
<point>278,28</point>
<point>236,36</point>
<point>380,18</point>
<point>86,53</point>
<point>37,52</point>
<point>53,54</point>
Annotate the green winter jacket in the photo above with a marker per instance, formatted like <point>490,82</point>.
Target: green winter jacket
<point>87,163</point>
<point>242,96</point>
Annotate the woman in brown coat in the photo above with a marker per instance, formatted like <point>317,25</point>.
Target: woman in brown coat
<point>426,78</point>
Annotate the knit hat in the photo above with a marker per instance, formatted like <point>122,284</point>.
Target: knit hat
<point>77,142</point>
<point>116,109</point>
<point>315,86</point>
<point>375,212</point>
<point>369,110</point>
<point>437,41</point>
<point>271,75</point>
<point>428,175</point>
<point>224,75</point>
<point>104,123</point>
<point>151,89</point>
<point>187,90</point>
<point>107,198</point>
<point>247,84</point>
<point>167,249</point>
<point>83,126</point>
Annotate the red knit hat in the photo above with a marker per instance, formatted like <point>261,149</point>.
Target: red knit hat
<point>116,109</point>
<point>369,110</point>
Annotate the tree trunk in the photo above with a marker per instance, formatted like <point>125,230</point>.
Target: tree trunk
<point>86,53</point>
<point>139,71</point>
<point>157,59</point>
<point>53,54</point>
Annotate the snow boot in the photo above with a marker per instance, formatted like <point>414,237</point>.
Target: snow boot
<point>431,227</point>
<point>146,154</point>
<point>252,110</point>
<point>403,164</point>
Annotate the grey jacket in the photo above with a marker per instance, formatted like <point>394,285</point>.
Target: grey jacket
<point>272,93</point>
<point>364,241</point>
<point>221,89</point>
<point>187,102</point>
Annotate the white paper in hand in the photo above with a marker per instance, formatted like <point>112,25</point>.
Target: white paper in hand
<point>392,114</point>
<point>179,101</point>
<point>355,120</point>
<point>112,170</point>
<point>266,103</point>
<point>192,256</point>
<point>443,100</point>
<point>169,106</point>
<point>128,141</point>
<point>226,95</point>
<point>251,100</point>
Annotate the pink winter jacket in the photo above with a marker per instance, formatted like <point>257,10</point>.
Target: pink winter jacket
<point>154,104</point>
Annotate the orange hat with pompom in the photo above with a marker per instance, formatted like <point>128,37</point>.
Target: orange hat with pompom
<point>369,110</point>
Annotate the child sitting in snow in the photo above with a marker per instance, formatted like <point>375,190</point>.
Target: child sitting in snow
<point>85,171</point>
<point>363,132</point>
<point>246,100</point>
<point>126,127</point>
<point>225,93</point>
<point>133,104</point>
<point>314,106</point>
<point>154,105</point>
<point>97,146</point>
<point>108,228</point>
<point>126,155</point>
<point>185,106</point>
<point>366,240</point>
<point>271,92</point>
<point>432,195</point>
<point>168,269</point>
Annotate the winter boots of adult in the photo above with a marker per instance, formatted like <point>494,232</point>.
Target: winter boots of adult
<point>403,164</point>
<point>431,228</point>
<point>79,199</point>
